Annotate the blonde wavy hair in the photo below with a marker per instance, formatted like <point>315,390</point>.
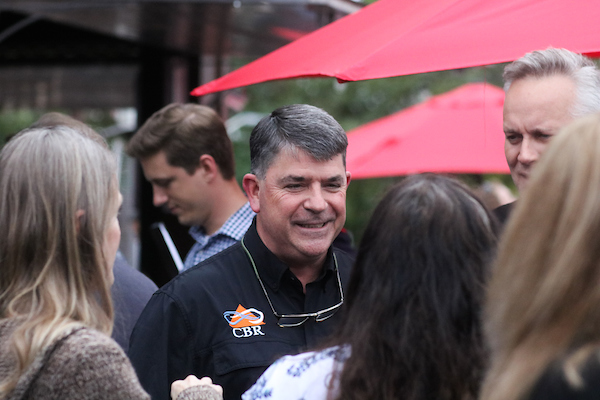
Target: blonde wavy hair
<point>543,303</point>
<point>56,189</point>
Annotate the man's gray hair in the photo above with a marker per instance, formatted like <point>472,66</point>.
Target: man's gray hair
<point>296,127</point>
<point>543,63</point>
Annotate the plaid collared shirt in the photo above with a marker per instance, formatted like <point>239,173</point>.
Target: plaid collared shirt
<point>232,231</point>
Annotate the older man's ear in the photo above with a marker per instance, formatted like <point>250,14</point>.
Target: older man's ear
<point>251,185</point>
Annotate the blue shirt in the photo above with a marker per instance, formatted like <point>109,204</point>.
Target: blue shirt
<point>231,232</point>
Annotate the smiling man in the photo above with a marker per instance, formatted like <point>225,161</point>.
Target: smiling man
<point>545,90</point>
<point>276,292</point>
<point>188,158</point>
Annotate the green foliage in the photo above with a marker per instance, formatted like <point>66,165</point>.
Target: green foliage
<point>241,149</point>
<point>354,104</point>
<point>363,196</point>
<point>13,121</point>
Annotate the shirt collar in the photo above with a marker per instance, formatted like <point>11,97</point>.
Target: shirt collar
<point>271,269</point>
<point>234,227</point>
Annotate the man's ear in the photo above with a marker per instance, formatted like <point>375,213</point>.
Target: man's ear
<point>208,167</point>
<point>251,185</point>
<point>348,178</point>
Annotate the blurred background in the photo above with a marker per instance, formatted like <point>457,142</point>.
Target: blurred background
<point>111,64</point>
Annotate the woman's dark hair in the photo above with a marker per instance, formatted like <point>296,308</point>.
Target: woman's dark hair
<point>412,316</point>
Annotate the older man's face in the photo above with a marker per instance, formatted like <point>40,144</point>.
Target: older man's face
<point>301,205</point>
<point>535,109</point>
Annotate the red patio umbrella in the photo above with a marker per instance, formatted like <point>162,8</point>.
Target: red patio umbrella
<point>456,132</point>
<point>400,37</point>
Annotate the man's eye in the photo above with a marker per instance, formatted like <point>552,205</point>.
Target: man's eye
<point>543,136</point>
<point>162,184</point>
<point>513,138</point>
<point>293,186</point>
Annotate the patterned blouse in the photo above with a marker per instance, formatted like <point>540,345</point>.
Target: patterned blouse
<point>306,376</point>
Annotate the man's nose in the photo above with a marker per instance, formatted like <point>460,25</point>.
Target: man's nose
<point>527,154</point>
<point>159,197</point>
<point>315,201</point>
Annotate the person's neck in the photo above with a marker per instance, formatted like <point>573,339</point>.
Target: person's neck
<point>228,198</point>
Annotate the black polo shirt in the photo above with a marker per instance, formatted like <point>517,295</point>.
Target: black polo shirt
<point>190,326</point>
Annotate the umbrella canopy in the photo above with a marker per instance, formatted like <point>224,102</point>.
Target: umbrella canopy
<point>400,37</point>
<point>456,132</point>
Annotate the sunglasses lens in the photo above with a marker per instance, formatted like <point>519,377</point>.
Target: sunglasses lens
<point>327,314</point>
<point>290,322</point>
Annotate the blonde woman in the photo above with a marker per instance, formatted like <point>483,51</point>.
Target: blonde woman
<point>59,201</point>
<point>543,306</point>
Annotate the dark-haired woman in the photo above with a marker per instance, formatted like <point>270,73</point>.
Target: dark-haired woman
<point>411,321</point>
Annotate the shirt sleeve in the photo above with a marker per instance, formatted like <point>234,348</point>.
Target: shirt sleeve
<point>161,346</point>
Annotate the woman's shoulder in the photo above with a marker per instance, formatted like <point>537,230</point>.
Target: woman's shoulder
<point>86,363</point>
<point>72,342</point>
<point>79,362</point>
<point>305,375</point>
<point>81,339</point>
<point>81,345</point>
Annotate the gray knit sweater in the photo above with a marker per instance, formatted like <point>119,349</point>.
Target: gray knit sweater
<point>81,364</point>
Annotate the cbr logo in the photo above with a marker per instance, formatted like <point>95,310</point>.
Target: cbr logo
<point>245,322</point>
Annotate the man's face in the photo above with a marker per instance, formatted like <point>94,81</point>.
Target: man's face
<point>535,109</point>
<point>301,205</point>
<point>184,195</point>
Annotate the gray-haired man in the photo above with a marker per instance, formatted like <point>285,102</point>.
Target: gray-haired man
<point>545,90</point>
<point>277,291</point>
